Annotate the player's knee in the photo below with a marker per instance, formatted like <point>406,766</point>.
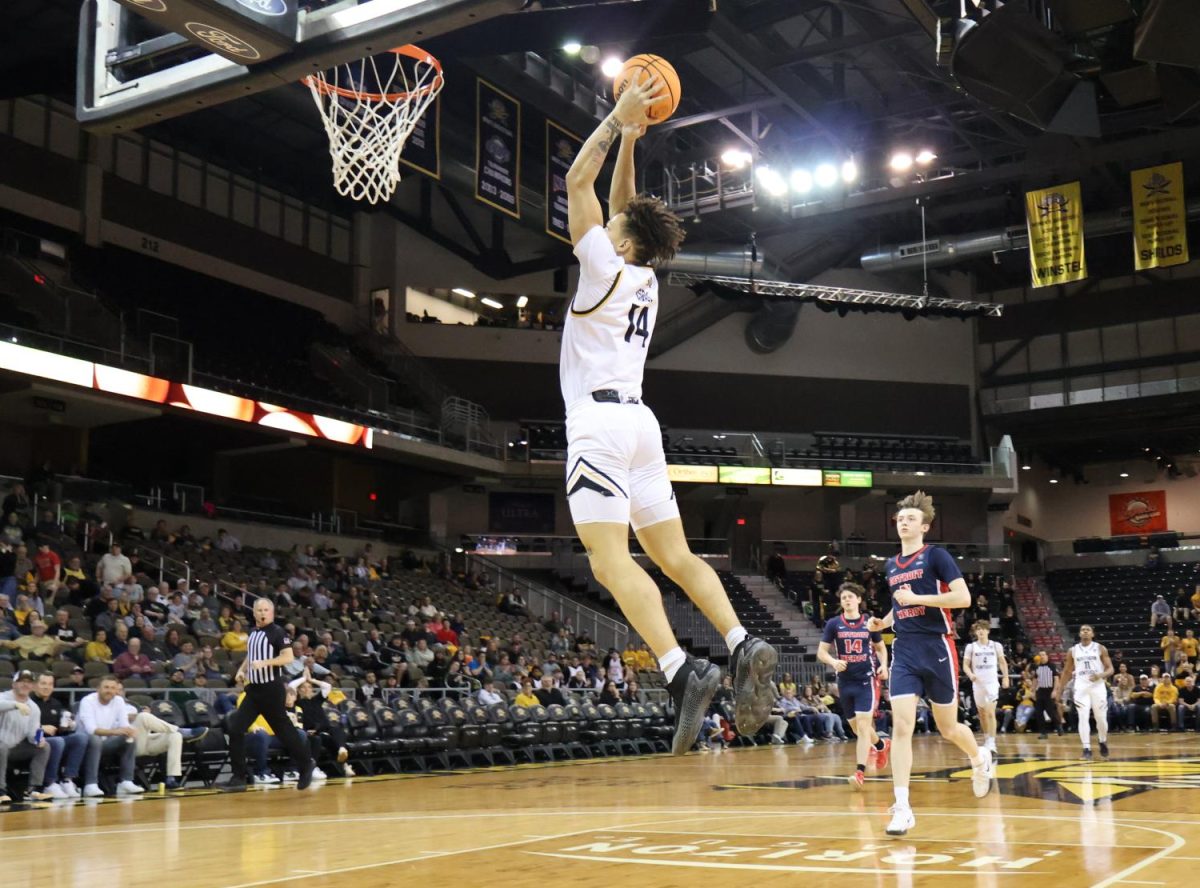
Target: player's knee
<point>608,568</point>
<point>676,562</point>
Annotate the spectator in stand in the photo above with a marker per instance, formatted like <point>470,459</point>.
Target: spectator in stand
<point>1182,611</point>
<point>527,697</point>
<point>227,542</point>
<point>311,695</point>
<point>133,662</point>
<point>17,503</point>
<point>97,650</point>
<point>608,694</point>
<point>119,639</point>
<point>206,625</point>
<point>1142,699</point>
<point>12,532</point>
<point>113,567</point>
<point>206,664</point>
<point>488,695</point>
<point>67,746</point>
<point>224,619</point>
<point>1160,612</point>
<point>1169,644</point>
<point>20,723</point>
<point>74,569</point>
<point>104,717</point>
<point>615,669</point>
<point>1189,648</point>
<point>831,724</point>
<point>800,726</point>
<point>548,694</point>
<point>177,609</point>
<point>1166,696</point>
<point>420,656</point>
<point>502,674</point>
<point>49,568</point>
<point>172,643</point>
<point>552,669</point>
<point>1122,691</point>
<point>1189,699</point>
<point>234,640</point>
<point>150,644</point>
<point>154,737</point>
<point>369,690</point>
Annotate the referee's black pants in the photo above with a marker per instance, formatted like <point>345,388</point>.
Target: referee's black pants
<point>267,700</point>
<point>1043,701</point>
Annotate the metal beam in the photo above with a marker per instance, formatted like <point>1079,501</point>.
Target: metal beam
<point>838,45</point>
<point>718,114</point>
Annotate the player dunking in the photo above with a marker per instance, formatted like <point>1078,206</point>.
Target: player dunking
<point>1090,664</point>
<point>616,470</point>
<point>925,583</point>
<point>859,657</point>
<point>985,664</point>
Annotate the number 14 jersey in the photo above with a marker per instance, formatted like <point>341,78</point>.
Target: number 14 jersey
<point>852,643</point>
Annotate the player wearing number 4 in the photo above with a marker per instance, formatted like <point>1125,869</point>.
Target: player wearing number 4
<point>925,583</point>
<point>616,470</point>
<point>859,657</point>
<point>1089,662</point>
<point>985,664</point>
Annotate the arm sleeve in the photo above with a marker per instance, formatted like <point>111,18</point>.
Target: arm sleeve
<point>945,568</point>
<point>829,633</point>
<point>599,266</point>
<point>876,637</point>
<point>86,717</point>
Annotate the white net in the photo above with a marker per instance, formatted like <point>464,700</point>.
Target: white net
<point>369,108</point>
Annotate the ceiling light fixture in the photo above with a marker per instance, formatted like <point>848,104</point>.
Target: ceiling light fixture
<point>1026,468</point>
<point>1053,480</point>
<point>1124,474</point>
<point>572,47</point>
<point>901,161</point>
<point>925,157</point>
<point>735,158</point>
<point>491,303</point>
<point>771,180</point>
<point>849,171</point>
<point>802,181</point>
<point>466,294</point>
<point>826,175</point>
<point>522,301</point>
<point>612,67</point>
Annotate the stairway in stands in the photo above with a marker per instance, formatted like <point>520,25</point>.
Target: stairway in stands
<point>789,617</point>
<point>1039,615</point>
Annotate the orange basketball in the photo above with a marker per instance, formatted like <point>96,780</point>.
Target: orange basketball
<point>642,67</point>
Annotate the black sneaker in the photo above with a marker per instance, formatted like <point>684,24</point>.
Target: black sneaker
<point>233,783</point>
<point>692,690</point>
<point>1087,755</point>
<point>306,774</point>
<point>1103,749</point>
<point>1041,736</point>
<point>753,665</point>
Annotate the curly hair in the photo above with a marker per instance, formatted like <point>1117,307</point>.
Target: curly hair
<point>855,588</point>
<point>656,231</point>
<point>921,501</point>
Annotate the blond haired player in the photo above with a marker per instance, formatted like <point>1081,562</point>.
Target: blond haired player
<point>925,583</point>
<point>616,470</point>
<point>985,664</point>
<point>1089,662</point>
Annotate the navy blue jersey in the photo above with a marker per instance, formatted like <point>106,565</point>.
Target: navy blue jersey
<point>929,571</point>
<point>851,643</point>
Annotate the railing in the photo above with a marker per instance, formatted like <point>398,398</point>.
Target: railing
<point>880,549</point>
<point>500,545</point>
<point>653,695</point>
<point>542,602</point>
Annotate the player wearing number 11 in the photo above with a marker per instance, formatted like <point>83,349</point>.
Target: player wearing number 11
<point>616,470</point>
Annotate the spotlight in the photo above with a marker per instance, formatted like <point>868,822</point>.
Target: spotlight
<point>572,47</point>
<point>826,175</point>
<point>849,171</point>
<point>802,181</point>
<point>771,181</point>
<point>1124,474</point>
<point>522,301</point>
<point>466,294</point>
<point>925,157</point>
<point>735,158</point>
<point>901,161</point>
<point>1026,468</point>
<point>491,303</point>
<point>1053,480</point>
<point>612,67</point>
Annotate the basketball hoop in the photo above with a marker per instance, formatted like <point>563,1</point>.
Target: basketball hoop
<point>369,108</point>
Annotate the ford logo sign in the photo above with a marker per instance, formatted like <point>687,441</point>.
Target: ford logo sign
<point>265,7</point>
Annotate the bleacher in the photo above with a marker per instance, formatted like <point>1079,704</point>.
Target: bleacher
<point>886,453</point>
<point>1116,600</point>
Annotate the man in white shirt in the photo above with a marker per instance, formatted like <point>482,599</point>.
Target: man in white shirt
<point>227,542</point>
<point>113,567</point>
<point>103,716</point>
<point>487,695</point>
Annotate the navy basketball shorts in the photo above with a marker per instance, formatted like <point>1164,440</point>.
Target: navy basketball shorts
<point>858,695</point>
<point>925,666</point>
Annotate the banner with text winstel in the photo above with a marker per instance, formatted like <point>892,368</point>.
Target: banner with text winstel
<point>561,148</point>
<point>1159,217</point>
<point>1054,218</point>
<point>497,149</point>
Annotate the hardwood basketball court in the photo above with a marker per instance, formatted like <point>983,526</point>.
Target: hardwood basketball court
<point>773,815</point>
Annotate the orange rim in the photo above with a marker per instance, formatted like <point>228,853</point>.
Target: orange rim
<point>413,52</point>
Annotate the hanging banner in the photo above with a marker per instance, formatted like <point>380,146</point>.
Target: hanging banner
<point>423,150</point>
<point>1159,217</point>
<point>1054,218</point>
<point>497,149</point>
<point>1136,513</point>
<point>561,148</point>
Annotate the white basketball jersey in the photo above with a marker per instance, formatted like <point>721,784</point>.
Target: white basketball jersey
<point>985,660</point>
<point>1087,659</point>
<point>608,325</point>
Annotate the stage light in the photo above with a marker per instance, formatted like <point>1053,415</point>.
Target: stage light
<point>802,181</point>
<point>612,67</point>
<point>491,303</point>
<point>466,294</point>
<point>1053,480</point>
<point>735,158</point>
<point>901,161</point>
<point>772,181</point>
<point>572,47</point>
<point>522,301</point>
<point>849,171</point>
<point>1124,474</point>
<point>1026,468</point>
<point>826,175</point>
<point>925,157</point>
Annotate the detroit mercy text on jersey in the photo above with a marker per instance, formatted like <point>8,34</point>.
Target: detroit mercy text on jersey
<point>607,330</point>
<point>851,643</point>
<point>929,571</point>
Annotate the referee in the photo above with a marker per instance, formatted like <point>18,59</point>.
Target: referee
<point>1043,700</point>
<point>268,650</point>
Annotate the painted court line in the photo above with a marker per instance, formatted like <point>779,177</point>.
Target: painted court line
<point>808,835</point>
<point>782,867</point>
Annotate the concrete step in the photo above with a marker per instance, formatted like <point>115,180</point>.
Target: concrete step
<point>793,620</point>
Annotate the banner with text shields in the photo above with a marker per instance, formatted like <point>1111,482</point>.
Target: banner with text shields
<point>1054,217</point>
<point>1159,217</point>
<point>561,148</point>
<point>1136,513</point>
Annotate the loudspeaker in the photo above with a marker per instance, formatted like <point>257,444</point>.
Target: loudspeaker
<point>1078,16</point>
<point>1013,63</point>
<point>1180,92</point>
<point>1169,32</point>
<point>1132,86</point>
<point>1079,114</point>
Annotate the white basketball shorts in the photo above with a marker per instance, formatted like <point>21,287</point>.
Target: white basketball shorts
<point>985,693</point>
<point>616,469</point>
<point>1090,696</point>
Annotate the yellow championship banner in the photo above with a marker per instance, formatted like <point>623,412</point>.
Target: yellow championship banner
<point>1159,217</point>
<point>1054,217</point>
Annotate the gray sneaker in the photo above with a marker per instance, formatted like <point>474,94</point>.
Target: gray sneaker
<point>692,690</point>
<point>753,665</point>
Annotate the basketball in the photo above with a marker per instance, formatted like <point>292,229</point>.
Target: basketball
<point>642,67</point>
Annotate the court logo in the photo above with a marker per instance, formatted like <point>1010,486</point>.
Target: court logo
<point>150,5</point>
<point>222,41</point>
<point>265,7</point>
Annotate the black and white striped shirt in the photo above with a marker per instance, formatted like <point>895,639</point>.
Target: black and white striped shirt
<point>265,643</point>
<point>1045,677</point>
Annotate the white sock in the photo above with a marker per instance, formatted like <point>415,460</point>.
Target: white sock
<point>672,661</point>
<point>902,796</point>
<point>734,637</point>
